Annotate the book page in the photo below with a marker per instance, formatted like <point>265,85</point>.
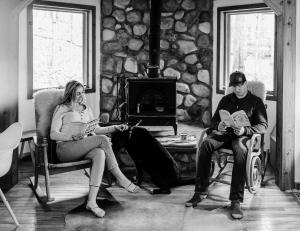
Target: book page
<point>226,117</point>
<point>91,126</point>
<point>241,119</point>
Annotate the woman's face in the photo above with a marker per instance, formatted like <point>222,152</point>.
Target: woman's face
<point>79,95</point>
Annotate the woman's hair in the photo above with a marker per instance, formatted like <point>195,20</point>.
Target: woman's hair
<point>70,91</point>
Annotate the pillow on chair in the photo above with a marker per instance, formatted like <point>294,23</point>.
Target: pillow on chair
<point>45,102</point>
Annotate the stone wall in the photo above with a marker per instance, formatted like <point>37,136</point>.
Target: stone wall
<point>186,51</point>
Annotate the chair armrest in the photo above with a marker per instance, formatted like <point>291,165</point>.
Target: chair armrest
<point>40,141</point>
<point>255,142</point>
<point>202,136</point>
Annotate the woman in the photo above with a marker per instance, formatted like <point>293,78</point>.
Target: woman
<point>73,145</point>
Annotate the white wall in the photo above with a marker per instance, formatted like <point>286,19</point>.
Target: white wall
<point>297,95</point>
<point>8,59</point>
<point>271,105</point>
<point>26,108</point>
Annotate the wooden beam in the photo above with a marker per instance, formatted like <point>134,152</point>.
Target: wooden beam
<point>278,67</point>
<point>286,93</point>
<point>275,5</point>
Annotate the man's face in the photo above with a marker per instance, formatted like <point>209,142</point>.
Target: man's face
<point>240,90</point>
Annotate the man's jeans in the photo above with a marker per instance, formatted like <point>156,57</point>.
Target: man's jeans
<point>212,142</point>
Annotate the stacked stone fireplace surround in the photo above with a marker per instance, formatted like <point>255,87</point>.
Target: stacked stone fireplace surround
<point>185,53</point>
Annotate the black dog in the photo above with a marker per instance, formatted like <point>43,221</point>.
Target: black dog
<point>150,156</point>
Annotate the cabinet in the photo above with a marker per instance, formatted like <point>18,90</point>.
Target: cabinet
<point>11,177</point>
<point>7,117</point>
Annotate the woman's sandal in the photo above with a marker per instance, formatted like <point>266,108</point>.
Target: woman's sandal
<point>131,187</point>
<point>98,212</point>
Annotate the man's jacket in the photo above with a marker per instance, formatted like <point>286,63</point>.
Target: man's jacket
<point>251,104</point>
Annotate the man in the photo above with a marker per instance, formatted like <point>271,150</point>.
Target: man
<point>222,134</point>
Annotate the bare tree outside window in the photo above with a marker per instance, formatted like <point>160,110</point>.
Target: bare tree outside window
<point>61,45</point>
<point>57,48</point>
<point>251,46</point>
<point>245,42</point>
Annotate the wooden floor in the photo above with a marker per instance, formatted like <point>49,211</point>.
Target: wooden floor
<point>270,209</point>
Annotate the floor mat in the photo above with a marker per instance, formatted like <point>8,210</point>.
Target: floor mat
<point>137,215</point>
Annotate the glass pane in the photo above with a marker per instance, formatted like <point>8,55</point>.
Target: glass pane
<point>251,46</point>
<point>57,47</point>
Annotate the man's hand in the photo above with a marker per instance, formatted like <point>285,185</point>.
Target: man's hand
<point>222,126</point>
<point>121,127</point>
<point>239,131</point>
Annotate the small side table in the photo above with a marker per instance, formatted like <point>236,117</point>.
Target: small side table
<point>27,136</point>
<point>173,144</point>
<point>184,153</point>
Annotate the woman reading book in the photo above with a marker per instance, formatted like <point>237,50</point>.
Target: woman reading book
<point>74,144</point>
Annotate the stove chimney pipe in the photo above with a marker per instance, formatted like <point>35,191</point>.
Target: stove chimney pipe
<point>154,39</point>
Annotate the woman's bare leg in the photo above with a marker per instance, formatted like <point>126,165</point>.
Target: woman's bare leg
<point>74,149</point>
<point>112,164</point>
<point>97,156</point>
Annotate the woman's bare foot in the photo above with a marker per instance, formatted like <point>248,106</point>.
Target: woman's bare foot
<point>129,186</point>
<point>94,208</point>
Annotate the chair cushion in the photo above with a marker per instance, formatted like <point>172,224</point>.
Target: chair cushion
<point>45,102</point>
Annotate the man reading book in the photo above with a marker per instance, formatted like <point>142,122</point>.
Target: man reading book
<point>222,134</point>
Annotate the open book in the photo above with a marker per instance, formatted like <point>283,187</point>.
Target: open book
<point>236,119</point>
<point>91,126</point>
<point>76,128</point>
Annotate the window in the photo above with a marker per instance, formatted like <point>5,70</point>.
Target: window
<point>246,38</point>
<point>61,45</point>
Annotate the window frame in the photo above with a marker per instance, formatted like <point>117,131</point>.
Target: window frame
<point>222,41</point>
<point>89,50</point>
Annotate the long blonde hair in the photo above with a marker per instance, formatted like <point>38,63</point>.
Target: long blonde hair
<point>70,91</point>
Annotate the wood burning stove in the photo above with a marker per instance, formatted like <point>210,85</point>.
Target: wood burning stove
<point>151,101</point>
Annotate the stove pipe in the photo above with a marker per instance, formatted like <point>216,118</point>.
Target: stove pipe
<point>154,39</point>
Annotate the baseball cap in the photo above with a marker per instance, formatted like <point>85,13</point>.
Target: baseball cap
<point>237,78</point>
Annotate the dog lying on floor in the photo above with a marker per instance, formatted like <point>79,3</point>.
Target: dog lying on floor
<point>150,156</point>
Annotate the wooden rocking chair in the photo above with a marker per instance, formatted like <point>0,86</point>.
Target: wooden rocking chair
<point>257,159</point>
<point>45,160</point>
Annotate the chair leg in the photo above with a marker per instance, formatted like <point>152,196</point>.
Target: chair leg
<point>34,180</point>
<point>31,153</point>
<point>265,164</point>
<point>47,183</point>
<point>22,149</point>
<point>9,208</point>
<point>40,194</point>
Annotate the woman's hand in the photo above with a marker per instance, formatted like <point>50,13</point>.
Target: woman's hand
<point>78,136</point>
<point>121,127</point>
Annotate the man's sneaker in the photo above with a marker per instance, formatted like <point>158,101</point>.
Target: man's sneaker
<point>236,211</point>
<point>197,198</point>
